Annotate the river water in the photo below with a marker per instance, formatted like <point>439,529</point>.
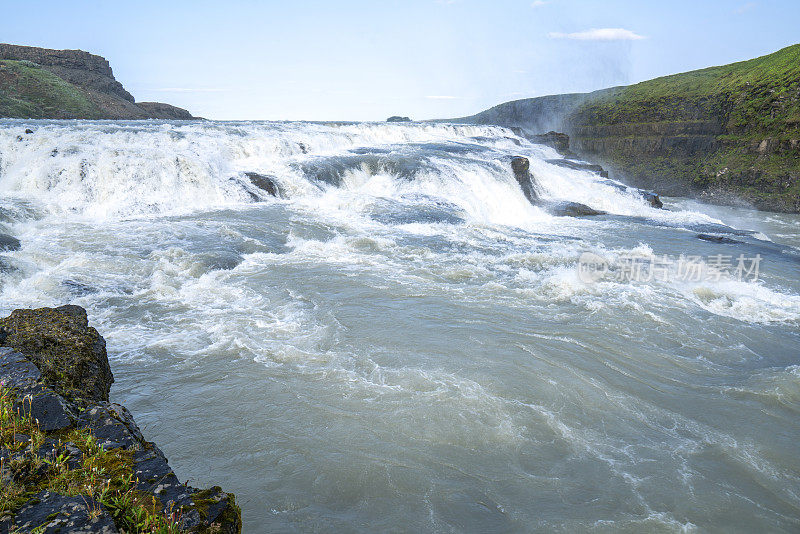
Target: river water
<point>403,342</point>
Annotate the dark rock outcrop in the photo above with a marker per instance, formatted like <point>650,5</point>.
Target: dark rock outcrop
<point>398,118</point>
<point>48,408</point>
<point>102,432</point>
<point>54,513</point>
<point>558,141</point>
<point>9,243</point>
<point>652,198</point>
<point>580,166</point>
<point>159,110</point>
<point>265,183</point>
<point>571,209</point>
<point>521,167</point>
<point>70,354</point>
<point>717,239</point>
<point>85,77</point>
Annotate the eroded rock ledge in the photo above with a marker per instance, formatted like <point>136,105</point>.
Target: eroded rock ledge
<point>70,461</point>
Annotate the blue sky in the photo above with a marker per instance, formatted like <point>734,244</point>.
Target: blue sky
<point>366,60</point>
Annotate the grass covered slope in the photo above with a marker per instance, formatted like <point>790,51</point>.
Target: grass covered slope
<point>725,133</point>
<point>29,91</point>
<point>758,96</point>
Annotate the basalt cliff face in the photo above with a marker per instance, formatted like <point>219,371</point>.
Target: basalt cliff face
<point>39,83</point>
<point>728,134</point>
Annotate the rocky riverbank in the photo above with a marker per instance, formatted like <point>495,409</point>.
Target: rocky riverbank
<point>70,460</point>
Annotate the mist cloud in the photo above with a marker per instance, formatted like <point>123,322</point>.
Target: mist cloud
<point>745,8</point>
<point>599,34</point>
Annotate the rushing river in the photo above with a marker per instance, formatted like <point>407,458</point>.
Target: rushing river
<point>403,342</point>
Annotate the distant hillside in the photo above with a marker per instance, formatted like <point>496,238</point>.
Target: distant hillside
<point>537,115</point>
<point>38,83</point>
<point>725,134</point>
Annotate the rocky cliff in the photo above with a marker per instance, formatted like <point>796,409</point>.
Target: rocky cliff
<point>70,461</point>
<point>39,83</point>
<point>728,134</point>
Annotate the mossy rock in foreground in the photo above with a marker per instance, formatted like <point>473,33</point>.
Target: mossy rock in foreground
<point>70,354</point>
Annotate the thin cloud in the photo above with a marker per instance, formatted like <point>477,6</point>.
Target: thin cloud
<point>599,34</point>
<point>186,90</point>
<point>745,8</point>
<point>539,3</point>
<point>441,97</point>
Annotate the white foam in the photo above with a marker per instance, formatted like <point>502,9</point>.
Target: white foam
<point>102,170</point>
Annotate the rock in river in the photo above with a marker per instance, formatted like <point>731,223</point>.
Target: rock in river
<point>265,183</point>
<point>522,173</point>
<point>9,243</point>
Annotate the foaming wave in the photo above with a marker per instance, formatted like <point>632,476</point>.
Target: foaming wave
<point>747,301</point>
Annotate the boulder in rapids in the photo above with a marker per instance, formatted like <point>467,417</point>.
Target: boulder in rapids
<point>521,167</point>
<point>718,239</point>
<point>571,209</point>
<point>652,198</point>
<point>522,173</point>
<point>9,243</point>
<point>265,183</point>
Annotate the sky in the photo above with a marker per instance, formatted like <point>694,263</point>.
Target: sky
<point>367,60</point>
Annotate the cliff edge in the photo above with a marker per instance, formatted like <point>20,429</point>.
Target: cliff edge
<point>39,83</point>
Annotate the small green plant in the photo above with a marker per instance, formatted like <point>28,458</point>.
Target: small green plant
<point>102,476</point>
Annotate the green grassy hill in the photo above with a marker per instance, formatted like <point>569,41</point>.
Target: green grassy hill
<point>754,98</point>
<point>29,91</point>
